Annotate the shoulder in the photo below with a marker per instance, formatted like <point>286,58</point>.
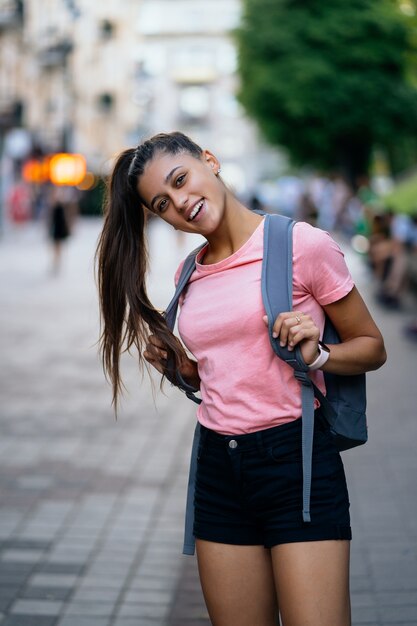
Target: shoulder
<point>319,264</point>
<point>310,239</point>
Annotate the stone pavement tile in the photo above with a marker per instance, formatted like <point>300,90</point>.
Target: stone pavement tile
<point>143,582</point>
<point>191,609</point>
<point>45,593</point>
<point>53,580</point>
<point>9,522</point>
<point>16,567</point>
<point>60,568</point>
<point>163,558</point>
<point>119,539</point>
<point>38,531</point>
<point>4,606</point>
<point>188,606</point>
<point>67,555</point>
<point>83,621</point>
<point>53,512</point>
<point>109,568</point>
<point>393,598</point>
<point>89,608</point>
<point>384,582</point>
<point>79,535</point>
<point>29,620</point>
<point>108,551</point>
<point>105,582</point>
<point>35,482</point>
<point>364,615</point>
<point>148,611</point>
<point>16,544</point>
<point>8,592</point>
<point>136,621</point>
<point>360,583</point>
<point>366,599</point>
<point>193,620</point>
<point>359,567</point>
<point>154,570</point>
<point>23,556</point>
<point>36,607</point>
<point>121,562</point>
<point>13,576</point>
<point>95,594</point>
<point>389,615</point>
<point>147,596</point>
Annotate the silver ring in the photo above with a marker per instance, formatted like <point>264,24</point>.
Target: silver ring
<point>298,319</point>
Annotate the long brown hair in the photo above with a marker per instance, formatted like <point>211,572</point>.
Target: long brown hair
<point>127,315</point>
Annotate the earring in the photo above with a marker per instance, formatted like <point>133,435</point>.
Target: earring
<point>218,171</point>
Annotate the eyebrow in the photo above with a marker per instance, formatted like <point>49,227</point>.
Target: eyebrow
<point>167,179</point>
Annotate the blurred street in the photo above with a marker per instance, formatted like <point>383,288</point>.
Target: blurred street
<point>91,508</point>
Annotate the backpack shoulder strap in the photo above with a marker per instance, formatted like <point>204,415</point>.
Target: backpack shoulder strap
<point>276,282</point>
<point>170,315</point>
<point>185,275</point>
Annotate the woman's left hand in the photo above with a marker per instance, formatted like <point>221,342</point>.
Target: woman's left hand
<point>293,328</point>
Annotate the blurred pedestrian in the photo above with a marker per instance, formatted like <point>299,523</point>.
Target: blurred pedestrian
<point>254,203</point>
<point>392,242</point>
<point>254,551</point>
<point>19,203</point>
<point>58,226</point>
<point>410,329</point>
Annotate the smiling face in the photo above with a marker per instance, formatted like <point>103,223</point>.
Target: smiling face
<point>184,191</point>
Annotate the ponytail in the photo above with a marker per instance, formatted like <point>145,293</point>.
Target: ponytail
<point>127,315</point>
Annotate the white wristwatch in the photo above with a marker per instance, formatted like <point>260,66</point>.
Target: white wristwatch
<point>324,354</point>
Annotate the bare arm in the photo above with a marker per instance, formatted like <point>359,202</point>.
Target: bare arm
<point>362,348</point>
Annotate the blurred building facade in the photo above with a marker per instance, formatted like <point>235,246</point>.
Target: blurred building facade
<point>97,77</point>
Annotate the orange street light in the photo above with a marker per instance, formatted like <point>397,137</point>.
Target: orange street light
<point>35,171</point>
<point>67,169</point>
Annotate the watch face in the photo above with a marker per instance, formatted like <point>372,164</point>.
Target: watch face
<point>324,347</point>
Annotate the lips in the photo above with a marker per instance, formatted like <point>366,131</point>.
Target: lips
<point>195,210</point>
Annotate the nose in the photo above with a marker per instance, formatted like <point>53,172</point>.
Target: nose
<point>181,201</point>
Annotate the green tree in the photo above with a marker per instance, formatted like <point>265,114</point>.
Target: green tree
<point>328,79</point>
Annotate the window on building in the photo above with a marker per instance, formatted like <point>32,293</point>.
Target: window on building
<point>194,102</point>
<point>105,102</point>
<point>106,29</point>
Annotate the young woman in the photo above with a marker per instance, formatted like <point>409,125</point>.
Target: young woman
<point>254,551</point>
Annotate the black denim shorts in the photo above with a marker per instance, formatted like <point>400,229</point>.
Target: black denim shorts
<point>249,488</point>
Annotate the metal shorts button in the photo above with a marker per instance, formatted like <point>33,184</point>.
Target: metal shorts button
<point>232,443</point>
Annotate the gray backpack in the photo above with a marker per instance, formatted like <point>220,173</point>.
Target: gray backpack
<point>343,407</point>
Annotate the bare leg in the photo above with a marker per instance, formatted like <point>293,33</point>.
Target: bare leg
<point>312,581</point>
<point>238,584</point>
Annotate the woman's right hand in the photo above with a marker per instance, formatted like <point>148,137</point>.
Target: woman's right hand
<point>155,353</point>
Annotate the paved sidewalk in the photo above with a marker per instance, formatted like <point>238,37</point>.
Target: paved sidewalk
<point>91,509</point>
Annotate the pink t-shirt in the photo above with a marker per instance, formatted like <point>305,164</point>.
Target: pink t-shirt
<point>244,386</point>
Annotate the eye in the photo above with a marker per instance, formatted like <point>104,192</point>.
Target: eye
<point>179,180</point>
<point>162,205</point>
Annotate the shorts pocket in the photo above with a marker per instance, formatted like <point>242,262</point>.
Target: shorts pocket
<point>285,453</point>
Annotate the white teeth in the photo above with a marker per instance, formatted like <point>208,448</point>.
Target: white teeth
<point>195,210</point>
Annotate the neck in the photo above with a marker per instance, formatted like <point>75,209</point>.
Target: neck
<point>237,225</point>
